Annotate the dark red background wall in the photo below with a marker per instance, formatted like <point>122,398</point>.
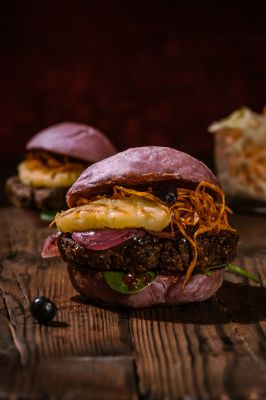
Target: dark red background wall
<point>144,72</point>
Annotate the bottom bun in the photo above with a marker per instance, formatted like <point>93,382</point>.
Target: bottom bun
<point>165,290</point>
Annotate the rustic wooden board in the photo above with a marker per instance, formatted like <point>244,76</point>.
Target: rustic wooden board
<point>214,349</point>
<point>85,353</point>
<point>210,350</point>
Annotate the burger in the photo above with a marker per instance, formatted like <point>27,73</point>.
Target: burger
<point>55,157</point>
<point>148,226</point>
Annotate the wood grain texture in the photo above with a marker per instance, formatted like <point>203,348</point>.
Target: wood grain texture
<point>210,350</point>
<point>93,378</point>
<point>214,349</point>
<point>84,353</point>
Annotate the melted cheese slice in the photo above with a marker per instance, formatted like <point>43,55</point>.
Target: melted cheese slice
<point>130,212</point>
<point>46,177</point>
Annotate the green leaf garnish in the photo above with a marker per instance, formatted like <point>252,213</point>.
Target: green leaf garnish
<point>241,271</point>
<point>48,215</point>
<point>120,282</point>
<point>235,269</point>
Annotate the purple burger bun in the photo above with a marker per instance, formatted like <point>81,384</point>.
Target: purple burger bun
<point>137,166</point>
<point>165,290</point>
<point>73,140</point>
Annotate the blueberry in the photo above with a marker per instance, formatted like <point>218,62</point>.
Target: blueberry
<point>167,194</point>
<point>43,309</point>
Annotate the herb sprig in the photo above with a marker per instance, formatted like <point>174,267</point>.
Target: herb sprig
<point>235,269</point>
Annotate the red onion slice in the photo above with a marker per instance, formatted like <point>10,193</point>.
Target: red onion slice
<point>103,239</point>
<point>50,248</point>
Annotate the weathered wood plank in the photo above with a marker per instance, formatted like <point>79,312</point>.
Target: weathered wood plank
<point>65,359</point>
<point>92,378</point>
<point>84,329</point>
<point>8,351</point>
<point>203,359</point>
<point>214,349</point>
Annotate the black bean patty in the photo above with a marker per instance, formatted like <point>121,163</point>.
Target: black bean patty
<point>145,252</point>
<point>23,196</point>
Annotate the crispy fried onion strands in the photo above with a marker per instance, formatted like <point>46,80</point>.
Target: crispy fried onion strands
<point>197,208</point>
<point>120,191</point>
<point>47,162</point>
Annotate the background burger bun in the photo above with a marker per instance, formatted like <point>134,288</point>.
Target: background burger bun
<point>74,140</point>
<point>163,291</point>
<point>136,166</point>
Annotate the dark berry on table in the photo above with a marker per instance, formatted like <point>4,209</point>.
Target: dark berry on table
<point>43,309</point>
<point>167,194</point>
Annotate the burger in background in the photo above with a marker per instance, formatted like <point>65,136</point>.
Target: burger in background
<point>148,226</point>
<point>55,158</point>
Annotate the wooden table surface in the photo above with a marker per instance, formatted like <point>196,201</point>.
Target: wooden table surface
<point>210,350</point>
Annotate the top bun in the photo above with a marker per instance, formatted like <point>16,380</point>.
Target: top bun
<point>73,140</point>
<point>136,166</point>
